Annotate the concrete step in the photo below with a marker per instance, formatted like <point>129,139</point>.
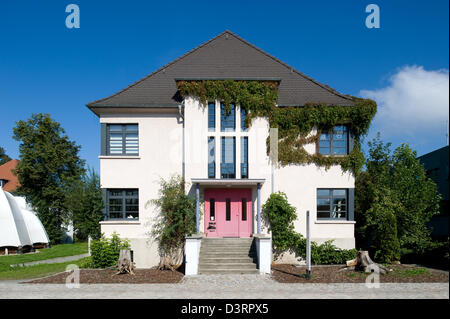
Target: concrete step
<point>228,271</point>
<point>203,266</point>
<point>226,260</point>
<point>226,254</point>
<point>227,239</point>
<point>225,249</point>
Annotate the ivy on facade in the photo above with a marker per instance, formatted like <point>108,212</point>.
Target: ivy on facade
<point>295,124</point>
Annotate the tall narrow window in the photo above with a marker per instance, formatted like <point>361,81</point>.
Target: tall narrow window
<point>228,161</point>
<point>123,139</point>
<point>227,119</point>
<point>211,157</point>
<point>244,157</point>
<point>211,116</point>
<point>243,117</point>
<point>244,209</point>
<point>334,142</point>
<point>228,209</point>
<point>212,209</point>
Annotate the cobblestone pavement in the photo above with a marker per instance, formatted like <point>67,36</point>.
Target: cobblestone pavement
<point>227,287</point>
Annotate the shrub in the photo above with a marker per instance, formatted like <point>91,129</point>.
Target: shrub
<point>105,251</point>
<point>327,254</point>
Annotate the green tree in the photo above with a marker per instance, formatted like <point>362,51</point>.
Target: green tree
<point>394,201</point>
<point>175,221</point>
<point>3,157</point>
<point>85,204</point>
<point>419,198</point>
<point>48,167</point>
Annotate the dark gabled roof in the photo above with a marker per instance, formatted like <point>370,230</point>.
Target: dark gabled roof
<point>226,56</point>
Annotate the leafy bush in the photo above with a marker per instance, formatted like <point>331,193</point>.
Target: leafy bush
<point>281,215</point>
<point>328,254</point>
<point>105,251</point>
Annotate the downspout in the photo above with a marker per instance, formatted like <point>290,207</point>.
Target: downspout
<point>180,112</point>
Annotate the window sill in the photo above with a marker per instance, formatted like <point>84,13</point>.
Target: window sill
<point>118,157</point>
<point>335,222</point>
<point>120,222</point>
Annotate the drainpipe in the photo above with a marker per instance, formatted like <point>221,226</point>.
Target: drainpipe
<point>197,210</point>
<point>259,208</point>
<point>180,112</point>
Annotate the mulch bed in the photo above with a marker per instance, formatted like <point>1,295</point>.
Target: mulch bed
<point>330,274</point>
<point>108,276</point>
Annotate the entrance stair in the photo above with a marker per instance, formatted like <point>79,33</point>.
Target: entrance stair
<point>227,256</point>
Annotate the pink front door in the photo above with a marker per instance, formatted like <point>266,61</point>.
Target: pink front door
<point>228,212</point>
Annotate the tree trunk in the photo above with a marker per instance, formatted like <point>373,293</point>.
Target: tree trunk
<point>124,264</point>
<point>363,262</point>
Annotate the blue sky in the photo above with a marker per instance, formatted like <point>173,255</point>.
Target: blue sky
<point>46,67</point>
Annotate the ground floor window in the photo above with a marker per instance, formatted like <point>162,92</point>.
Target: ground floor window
<point>122,203</point>
<point>332,203</point>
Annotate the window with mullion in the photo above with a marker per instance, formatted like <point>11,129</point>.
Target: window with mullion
<point>122,139</point>
<point>334,142</point>
<point>123,204</point>
<point>332,204</point>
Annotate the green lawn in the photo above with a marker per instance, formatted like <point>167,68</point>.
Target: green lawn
<point>63,250</point>
<point>36,271</point>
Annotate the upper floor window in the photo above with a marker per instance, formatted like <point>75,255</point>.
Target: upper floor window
<point>334,141</point>
<point>332,203</point>
<point>227,120</point>
<point>122,203</point>
<point>122,139</point>
<point>211,116</point>
<point>243,117</point>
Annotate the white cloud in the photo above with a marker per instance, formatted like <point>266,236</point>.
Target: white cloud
<point>415,103</point>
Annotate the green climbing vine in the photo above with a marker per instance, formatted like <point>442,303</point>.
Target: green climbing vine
<point>295,124</point>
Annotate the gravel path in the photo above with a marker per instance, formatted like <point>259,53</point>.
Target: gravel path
<point>52,261</point>
<point>226,287</point>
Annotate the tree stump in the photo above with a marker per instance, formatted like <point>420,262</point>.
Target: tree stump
<point>124,264</point>
<point>363,262</point>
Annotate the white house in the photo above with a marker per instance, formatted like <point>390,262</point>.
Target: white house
<point>149,132</point>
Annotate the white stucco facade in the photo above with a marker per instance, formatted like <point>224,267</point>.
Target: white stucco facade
<point>161,156</point>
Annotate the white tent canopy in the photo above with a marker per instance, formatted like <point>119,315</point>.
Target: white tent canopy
<point>19,226</point>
